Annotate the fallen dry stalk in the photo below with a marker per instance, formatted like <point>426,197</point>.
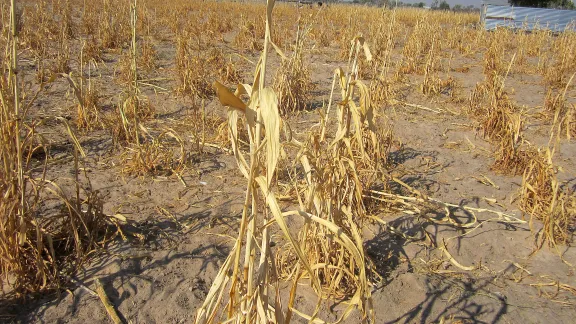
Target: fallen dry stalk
<point>110,309</point>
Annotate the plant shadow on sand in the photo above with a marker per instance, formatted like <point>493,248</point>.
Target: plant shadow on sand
<point>150,248</point>
<point>456,297</point>
<point>460,300</point>
<point>398,249</point>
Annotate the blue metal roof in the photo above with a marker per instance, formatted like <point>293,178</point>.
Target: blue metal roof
<point>528,18</point>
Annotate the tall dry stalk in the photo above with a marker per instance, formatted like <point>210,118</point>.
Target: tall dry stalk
<point>246,289</point>
<point>133,48</point>
<point>13,75</point>
<point>501,121</point>
<point>14,204</point>
<point>132,108</point>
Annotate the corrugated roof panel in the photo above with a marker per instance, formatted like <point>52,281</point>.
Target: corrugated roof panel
<point>528,18</point>
<point>496,2</point>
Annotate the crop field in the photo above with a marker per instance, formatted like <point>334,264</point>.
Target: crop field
<point>260,162</point>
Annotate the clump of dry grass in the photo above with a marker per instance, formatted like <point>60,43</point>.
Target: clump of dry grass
<point>89,116</point>
<point>323,36</point>
<point>336,178</point>
<point>208,129</point>
<point>557,109</point>
<point>292,82</point>
<point>113,28</point>
<point>543,198</point>
<point>125,122</point>
<point>92,51</point>
<point>557,70</point>
<point>501,121</point>
<point>147,61</point>
<point>124,72</point>
<point>418,44</point>
<point>143,153</point>
<point>196,66</point>
<point>133,108</point>
<point>148,58</point>
<point>155,156</point>
<point>383,91</point>
<point>382,88</point>
<point>337,173</point>
<point>218,25</point>
<point>505,130</point>
<point>250,36</point>
<point>433,85</point>
<point>494,62</point>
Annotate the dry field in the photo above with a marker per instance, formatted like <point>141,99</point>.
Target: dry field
<point>230,162</point>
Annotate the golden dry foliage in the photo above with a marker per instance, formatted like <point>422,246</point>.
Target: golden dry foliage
<point>125,121</point>
<point>292,82</point>
<point>133,108</point>
<point>543,198</point>
<point>155,156</point>
<point>418,44</point>
<point>570,121</point>
<point>561,65</point>
<point>432,84</point>
<point>253,293</point>
<point>88,112</point>
<point>196,65</point>
<point>495,63</point>
<point>562,114</point>
<point>124,73</point>
<point>328,249</point>
<point>383,91</point>
<point>46,235</point>
<point>148,58</point>
<point>251,34</point>
<point>337,173</point>
<point>501,121</point>
<point>144,153</point>
<point>323,37</point>
<point>113,23</point>
<point>382,88</point>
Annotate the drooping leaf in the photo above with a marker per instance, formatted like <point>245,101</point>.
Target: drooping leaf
<point>271,120</point>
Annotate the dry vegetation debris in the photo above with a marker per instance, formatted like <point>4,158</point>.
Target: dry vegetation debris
<point>315,191</point>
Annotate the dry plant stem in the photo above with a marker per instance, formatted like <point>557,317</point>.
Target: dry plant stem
<point>501,215</point>
<point>14,80</point>
<point>326,116</point>
<point>444,249</point>
<point>134,20</point>
<point>107,303</point>
<point>249,303</point>
<point>134,17</point>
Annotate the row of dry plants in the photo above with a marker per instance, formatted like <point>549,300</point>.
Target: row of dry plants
<point>338,173</point>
